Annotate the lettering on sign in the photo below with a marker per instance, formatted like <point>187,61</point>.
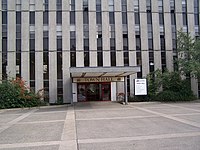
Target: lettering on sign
<point>99,79</point>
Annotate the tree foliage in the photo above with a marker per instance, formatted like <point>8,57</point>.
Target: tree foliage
<point>188,54</point>
<point>168,86</point>
<point>15,93</point>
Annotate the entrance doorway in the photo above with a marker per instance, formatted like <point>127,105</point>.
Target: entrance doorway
<point>94,92</point>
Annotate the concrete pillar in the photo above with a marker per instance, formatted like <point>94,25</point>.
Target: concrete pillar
<point>105,33</point>
<point>168,36</point>
<point>156,35</point>
<point>125,89</point>
<point>92,33</point>
<point>144,38</point>
<point>38,45</point>
<point>118,34</point>
<point>52,53</point>
<point>79,34</point>
<point>74,92</point>
<point>11,42</point>
<point>113,91</point>
<point>67,85</point>
<point>25,57</point>
<point>179,19</point>
<point>131,42</point>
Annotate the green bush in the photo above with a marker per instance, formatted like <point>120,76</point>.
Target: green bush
<point>14,94</point>
<point>168,86</point>
<point>168,96</point>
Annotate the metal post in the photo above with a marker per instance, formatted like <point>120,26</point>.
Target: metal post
<point>125,90</point>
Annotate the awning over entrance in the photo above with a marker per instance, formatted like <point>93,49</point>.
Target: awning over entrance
<point>81,72</point>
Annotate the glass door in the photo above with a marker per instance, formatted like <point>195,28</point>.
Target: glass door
<point>106,91</point>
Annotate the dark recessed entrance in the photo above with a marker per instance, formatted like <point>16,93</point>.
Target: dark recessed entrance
<point>94,92</point>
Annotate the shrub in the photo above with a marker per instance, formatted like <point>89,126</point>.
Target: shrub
<point>14,94</point>
<point>168,86</point>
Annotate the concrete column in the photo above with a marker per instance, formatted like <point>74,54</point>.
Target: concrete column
<point>168,36</point>
<point>79,34</point>
<point>190,10</point>
<point>0,44</point>
<point>118,34</point>
<point>11,42</point>
<point>52,53</point>
<point>25,57</point>
<point>191,30</point>
<point>38,45</point>
<point>179,19</point>
<point>74,92</point>
<point>125,89</point>
<point>120,87</point>
<point>105,33</point>
<point>92,33</point>
<point>156,35</point>
<point>131,42</point>
<point>67,85</point>
<point>144,38</point>
<point>113,91</point>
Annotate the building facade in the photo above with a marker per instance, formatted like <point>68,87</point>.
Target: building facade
<point>79,50</point>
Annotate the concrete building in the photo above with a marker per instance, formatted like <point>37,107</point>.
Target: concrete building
<point>80,50</point>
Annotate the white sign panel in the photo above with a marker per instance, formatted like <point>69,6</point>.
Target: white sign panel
<point>140,87</point>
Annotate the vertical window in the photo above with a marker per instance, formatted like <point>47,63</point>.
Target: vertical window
<point>4,39</point>
<point>18,5</point>
<point>124,11</point>
<point>72,12</point>
<point>32,18</point>
<point>184,12</point>
<point>98,12</point>
<point>112,33</point>
<point>32,5</point>
<point>72,34</point>
<point>99,52</point>
<point>196,17</point>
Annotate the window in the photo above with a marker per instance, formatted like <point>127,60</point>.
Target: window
<point>148,2</point>
<point>18,5</point>
<point>32,5</point>
<point>136,5</point>
<point>161,18</point>
<point>72,17</point>
<point>59,43</point>
<point>59,17</point>
<point>4,5</point>
<point>138,42</point>
<point>85,17</point>
<point>184,19</point>
<point>160,5</point>
<point>45,5</point>
<point>111,5</point>
<point>162,42</point>
<point>111,18</point>
<point>137,18</point>
<point>85,5</point>
<point>59,5</point>
<point>45,17</point>
<point>45,43</point>
<point>4,17</point>
<point>98,18</point>
<point>72,5</point>
<point>32,17</point>
<point>149,18</point>
<point>124,11</point>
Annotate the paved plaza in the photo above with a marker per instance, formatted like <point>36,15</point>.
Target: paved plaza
<point>102,126</point>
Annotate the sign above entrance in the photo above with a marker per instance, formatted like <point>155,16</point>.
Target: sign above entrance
<point>98,79</point>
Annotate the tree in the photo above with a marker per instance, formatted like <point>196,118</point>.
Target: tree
<point>188,54</point>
